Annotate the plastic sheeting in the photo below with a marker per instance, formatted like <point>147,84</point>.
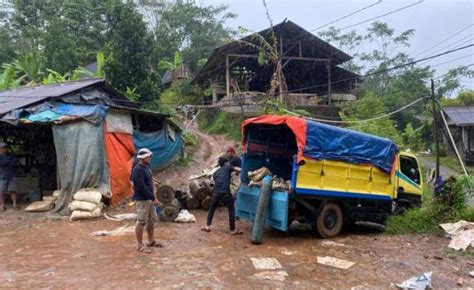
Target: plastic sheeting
<point>47,112</point>
<point>334,143</point>
<point>164,149</point>
<point>119,122</point>
<point>120,151</point>
<point>297,125</point>
<point>81,160</point>
<point>320,141</point>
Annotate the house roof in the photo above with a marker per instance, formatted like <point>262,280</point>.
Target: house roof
<point>460,116</point>
<point>306,72</point>
<point>17,98</point>
<point>28,95</point>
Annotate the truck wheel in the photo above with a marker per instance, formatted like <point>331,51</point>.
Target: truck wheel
<point>330,221</point>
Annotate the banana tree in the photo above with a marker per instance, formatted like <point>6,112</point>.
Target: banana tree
<point>29,69</point>
<point>8,77</point>
<point>83,73</point>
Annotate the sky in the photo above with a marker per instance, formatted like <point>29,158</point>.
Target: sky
<point>433,20</point>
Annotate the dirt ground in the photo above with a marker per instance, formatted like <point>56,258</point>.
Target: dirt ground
<point>39,253</point>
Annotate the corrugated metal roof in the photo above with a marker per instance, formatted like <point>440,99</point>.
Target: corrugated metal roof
<point>460,116</point>
<point>24,96</point>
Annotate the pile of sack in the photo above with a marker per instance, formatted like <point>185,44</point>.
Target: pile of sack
<point>86,205</point>
<point>278,183</point>
<point>46,204</point>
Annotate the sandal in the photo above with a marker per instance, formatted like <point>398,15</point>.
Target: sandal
<point>154,244</point>
<point>206,229</point>
<point>236,232</point>
<point>145,250</point>
<point>16,208</point>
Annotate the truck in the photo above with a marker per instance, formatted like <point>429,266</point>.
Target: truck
<point>338,176</point>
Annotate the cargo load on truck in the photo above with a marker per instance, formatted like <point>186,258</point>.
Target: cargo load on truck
<point>337,175</point>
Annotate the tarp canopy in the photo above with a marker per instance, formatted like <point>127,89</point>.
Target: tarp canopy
<point>320,141</point>
<point>163,147</point>
<point>81,160</point>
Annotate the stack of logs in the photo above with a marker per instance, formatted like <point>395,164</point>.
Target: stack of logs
<point>200,194</point>
<point>172,201</point>
<point>170,205</point>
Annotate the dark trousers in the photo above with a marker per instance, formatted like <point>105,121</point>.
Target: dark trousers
<point>228,202</point>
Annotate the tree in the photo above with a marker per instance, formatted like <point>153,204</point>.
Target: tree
<point>368,107</point>
<point>68,33</point>
<point>130,46</point>
<point>188,27</point>
<point>465,98</point>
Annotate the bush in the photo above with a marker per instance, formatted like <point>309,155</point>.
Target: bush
<point>215,121</point>
<point>450,205</point>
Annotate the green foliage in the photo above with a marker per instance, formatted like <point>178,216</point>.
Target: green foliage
<point>131,47</point>
<point>449,206</point>
<point>465,98</point>
<point>68,33</point>
<point>368,107</point>
<point>131,94</point>
<point>412,138</point>
<point>190,145</point>
<point>218,122</point>
<point>7,49</point>
<point>181,92</point>
<point>190,27</point>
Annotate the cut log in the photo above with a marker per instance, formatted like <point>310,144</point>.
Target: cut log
<point>206,203</point>
<point>165,194</point>
<point>192,202</point>
<point>169,212</point>
<point>193,187</point>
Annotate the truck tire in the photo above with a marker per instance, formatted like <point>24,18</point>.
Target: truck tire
<point>330,220</point>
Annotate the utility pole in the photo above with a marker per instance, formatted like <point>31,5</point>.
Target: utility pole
<point>435,122</point>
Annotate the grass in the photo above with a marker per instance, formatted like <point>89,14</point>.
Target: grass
<point>426,219</point>
<point>218,122</point>
<point>191,143</point>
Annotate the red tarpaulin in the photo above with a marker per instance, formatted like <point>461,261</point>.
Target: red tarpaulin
<point>120,151</point>
<point>296,125</point>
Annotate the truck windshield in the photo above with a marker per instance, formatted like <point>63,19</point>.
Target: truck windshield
<point>409,167</point>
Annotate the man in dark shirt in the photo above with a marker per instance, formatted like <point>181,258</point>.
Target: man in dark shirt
<point>145,200</point>
<point>7,176</point>
<point>221,192</point>
<point>234,160</point>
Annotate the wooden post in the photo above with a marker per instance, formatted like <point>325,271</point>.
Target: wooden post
<point>328,66</point>
<point>227,77</point>
<point>214,87</point>
<point>435,127</point>
<point>280,72</point>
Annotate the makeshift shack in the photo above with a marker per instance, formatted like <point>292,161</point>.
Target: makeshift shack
<point>81,134</point>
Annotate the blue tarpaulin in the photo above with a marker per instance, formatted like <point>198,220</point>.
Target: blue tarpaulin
<point>53,112</point>
<point>334,143</point>
<point>164,149</point>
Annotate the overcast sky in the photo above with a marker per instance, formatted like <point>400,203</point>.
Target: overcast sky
<point>433,20</point>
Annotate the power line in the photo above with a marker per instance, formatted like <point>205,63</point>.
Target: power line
<point>359,121</point>
<point>446,39</point>
<point>347,16</point>
<point>383,15</point>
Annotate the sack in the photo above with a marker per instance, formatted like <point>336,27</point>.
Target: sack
<point>85,215</point>
<point>39,206</point>
<point>57,193</point>
<point>82,205</point>
<point>49,198</point>
<point>88,194</point>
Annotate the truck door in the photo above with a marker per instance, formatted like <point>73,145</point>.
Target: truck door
<point>409,180</point>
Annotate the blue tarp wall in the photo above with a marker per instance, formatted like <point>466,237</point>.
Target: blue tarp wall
<point>334,143</point>
<point>163,147</point>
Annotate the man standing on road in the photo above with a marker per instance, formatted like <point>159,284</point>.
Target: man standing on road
<point>7,176</point>
<point>145,200</point>
<point>221,192</point>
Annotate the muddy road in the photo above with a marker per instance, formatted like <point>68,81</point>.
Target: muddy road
<point>38,253</point>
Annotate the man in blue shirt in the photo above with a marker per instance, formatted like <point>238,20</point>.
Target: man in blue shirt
<point>145,200</point>
<point>7,176</point>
